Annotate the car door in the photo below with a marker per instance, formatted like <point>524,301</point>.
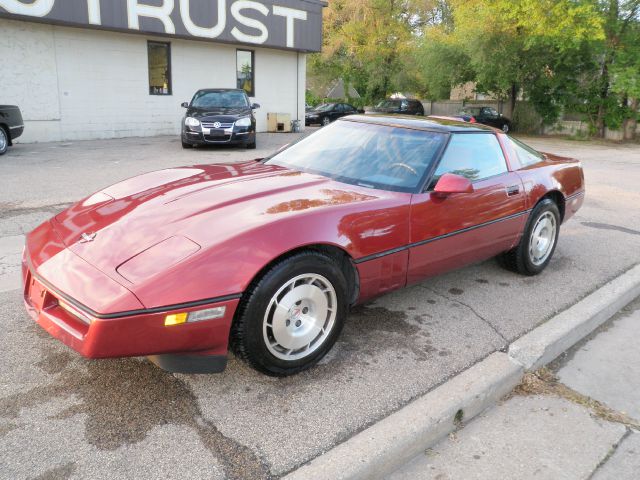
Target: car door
<point>340,110</point>
<point>450,231</point>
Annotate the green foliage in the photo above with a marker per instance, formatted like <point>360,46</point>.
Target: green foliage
<point>561,56</point>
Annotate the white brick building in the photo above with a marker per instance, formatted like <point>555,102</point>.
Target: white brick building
<point>74,82</point>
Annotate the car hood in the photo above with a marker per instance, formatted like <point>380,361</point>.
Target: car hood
<point>202,113</point>
<point>191,209</point>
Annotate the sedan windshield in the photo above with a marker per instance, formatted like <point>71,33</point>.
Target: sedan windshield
<point>389,104</point>
<point>369,155</point>
<point>325,107</point>
<point>228,99</point>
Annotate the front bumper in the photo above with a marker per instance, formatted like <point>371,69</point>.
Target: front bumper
<point>126,334</point>
<point>229,138</point>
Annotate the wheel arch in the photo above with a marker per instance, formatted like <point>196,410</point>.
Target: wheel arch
<point>558,198</point>
<point>341,256</point>
<point>5,127</point>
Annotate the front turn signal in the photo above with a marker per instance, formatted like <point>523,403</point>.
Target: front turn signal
<point>175,319</point>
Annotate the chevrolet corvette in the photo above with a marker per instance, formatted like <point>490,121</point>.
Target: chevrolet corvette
<point>266,257</point>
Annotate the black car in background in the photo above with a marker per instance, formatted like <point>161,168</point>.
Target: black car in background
<point>405,106</point>
<point>328,112</point>
<point>11,126</point>
<point>218,116</point>
<point>486,116</point>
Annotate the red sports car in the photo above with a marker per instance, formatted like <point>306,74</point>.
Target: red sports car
<point>267,256</point>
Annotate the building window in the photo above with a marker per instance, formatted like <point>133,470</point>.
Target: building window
<point>159,68</point>
<point>245,71</point>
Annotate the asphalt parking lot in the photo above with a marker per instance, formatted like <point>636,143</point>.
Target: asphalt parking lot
<point>65,417</point>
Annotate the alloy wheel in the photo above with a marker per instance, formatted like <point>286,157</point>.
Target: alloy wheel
<point>300,317</point>
<point>543,238</point>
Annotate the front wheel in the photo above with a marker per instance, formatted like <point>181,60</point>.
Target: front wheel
<point>538,242</point>
<point>289,319</point>
<point>505,128</point>
<point>326,121</point>
<point>186,145</point>
<point>4,141</point>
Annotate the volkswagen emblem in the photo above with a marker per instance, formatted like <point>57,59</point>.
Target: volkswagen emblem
<point>87,237</point>
<point>217,125</point>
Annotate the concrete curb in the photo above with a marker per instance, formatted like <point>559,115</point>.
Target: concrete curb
<point>549,340</point>
<point>390,443</point>
<point>383,447</point>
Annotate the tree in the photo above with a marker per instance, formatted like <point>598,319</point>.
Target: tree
<point>370,43</point>
<point>522,46</point>
<point>619,53</point>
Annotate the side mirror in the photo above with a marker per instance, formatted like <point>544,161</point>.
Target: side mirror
<point>255,105</point>
<point>450,183</point>
<point>184,104</point>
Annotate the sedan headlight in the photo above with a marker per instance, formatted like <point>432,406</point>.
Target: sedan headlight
<point>192,122</point>
<point>244,122</point>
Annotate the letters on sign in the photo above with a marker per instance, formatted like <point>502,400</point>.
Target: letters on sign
<point>288,24</point>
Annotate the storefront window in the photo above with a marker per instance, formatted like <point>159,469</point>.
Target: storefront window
<point>245,71</point>
<point>159,68</point>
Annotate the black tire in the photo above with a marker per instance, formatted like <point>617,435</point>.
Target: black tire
<point>247,338</point>
<point>506,128</point>
<point>4,141</point>
<point>326,121</point>
<point>520,258</point>
<point>251,146</point>
<point>186,145</point>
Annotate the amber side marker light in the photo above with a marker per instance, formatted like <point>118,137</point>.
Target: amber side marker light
<point>197,316</point>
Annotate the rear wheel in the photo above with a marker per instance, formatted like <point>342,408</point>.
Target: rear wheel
<point>505,128</point>
<point>289,319</point>
<point>4,141</point>
<point>538,242</point>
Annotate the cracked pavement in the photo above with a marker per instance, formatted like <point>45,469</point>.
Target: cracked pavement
<point>64,416</point>
<point>578,418</point>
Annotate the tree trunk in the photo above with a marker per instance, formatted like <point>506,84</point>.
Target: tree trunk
<point>631,123</point>
<point>513,97</point>
<point>604,94</point>
<point>611,31</point>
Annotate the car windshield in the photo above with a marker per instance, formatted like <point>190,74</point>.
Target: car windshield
<point>325,107</point>
<point>229,99</point>
<point>369,155</point>
<point>470,111</point>
<point>389,104</point>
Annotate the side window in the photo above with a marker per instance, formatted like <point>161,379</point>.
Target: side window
<point>340,108</point>
<point>526,154</point>
<point>245,71</point>
<point>475,156</point>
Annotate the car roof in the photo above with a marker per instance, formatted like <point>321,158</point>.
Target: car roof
<point>426,123</point>
<point>221,90</point>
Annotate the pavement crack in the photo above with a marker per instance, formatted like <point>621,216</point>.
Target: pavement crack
<point>8,210</point>
<point>610,453</point>
<point>545,382</point>
<point>473,310</point>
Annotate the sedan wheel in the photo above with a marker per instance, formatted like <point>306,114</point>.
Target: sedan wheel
<point>4,141</point>
<point>538,241</point>
<point>326,121</point>
<point>505,128</point>
<point>292,315</point>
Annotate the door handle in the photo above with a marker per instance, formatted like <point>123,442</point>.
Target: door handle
<point>513,190</point>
